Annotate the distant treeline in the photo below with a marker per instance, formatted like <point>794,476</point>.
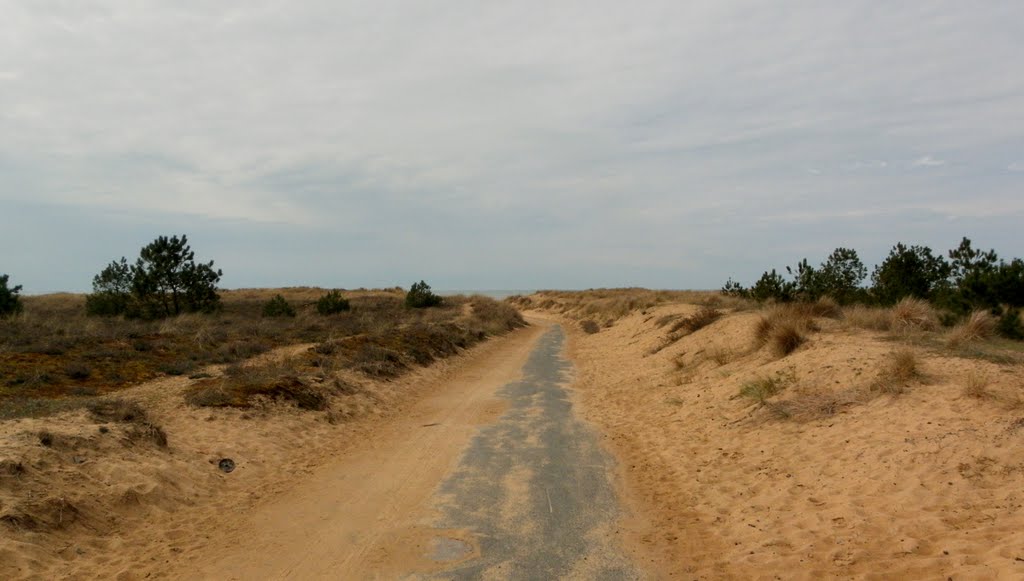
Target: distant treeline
<point>968,280</point>
<point>166,281</point>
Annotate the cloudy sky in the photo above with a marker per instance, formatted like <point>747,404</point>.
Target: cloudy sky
<point>488,145</point>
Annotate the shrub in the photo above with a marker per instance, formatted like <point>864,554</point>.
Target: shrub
<point>590,326</point>
<point>420,296</point>
<point>332,303</point>
<point>909,272</point>
<point>10,302</point>
<point>1009,325</point>
<point>278,307</point>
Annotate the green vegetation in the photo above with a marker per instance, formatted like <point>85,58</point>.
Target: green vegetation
<point>421,297</point>
<point>332,303</point>
<point>54,357</point>
<point>164,281</point>
<point>969,281</point>
<point>277,306</point>
<point>10,302</point>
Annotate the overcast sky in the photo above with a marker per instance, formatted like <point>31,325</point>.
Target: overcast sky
<point>488,145</point>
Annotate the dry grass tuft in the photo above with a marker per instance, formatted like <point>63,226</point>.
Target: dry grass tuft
<point>702,318</point>
<point>902,368</point>
<point>976,386</point>
<point>978,326</point>
<point>784,328</point>
<point>913,314</point>
<point>871,318</point>
<point>720,355</point>
<point>590,326</point>
<point>817,405</point>
<point>762,388</point>
<point>784,339</point>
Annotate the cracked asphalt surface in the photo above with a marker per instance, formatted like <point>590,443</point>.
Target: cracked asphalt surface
<point>535,487</point>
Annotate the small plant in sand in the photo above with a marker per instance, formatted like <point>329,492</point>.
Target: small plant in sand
<point>590,326</point>
<point>979,325</point>
<point>900,369</point>
<point>782,328</point>
<point>976,386</point>
<point>762,388</point>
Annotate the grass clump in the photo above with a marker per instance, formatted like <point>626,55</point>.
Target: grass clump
<point>702,318</point>
<point>978,326</point>
<point>901,368</point>
<point>913,314</point>
<point>590,326</point>
<point>762,388</point>
<point>976,386</point>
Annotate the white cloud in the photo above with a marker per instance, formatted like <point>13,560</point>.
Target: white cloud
<point>579,117</point>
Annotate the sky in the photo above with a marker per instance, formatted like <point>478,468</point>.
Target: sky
<point>504,145</point>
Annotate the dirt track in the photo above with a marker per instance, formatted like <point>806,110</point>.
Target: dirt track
<point>491,477</point>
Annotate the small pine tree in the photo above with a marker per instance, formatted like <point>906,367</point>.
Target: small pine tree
<point>10,302</point>
<point>420,296</point>
<point>278,307</point>
<point>332,303</point>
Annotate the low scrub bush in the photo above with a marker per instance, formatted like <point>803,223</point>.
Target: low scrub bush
<point>10,302</point>
<point>590,326</point>
<point>421,297</point>
<point>277,306</point>
<point>1010,326</point>
<point>331,303</point>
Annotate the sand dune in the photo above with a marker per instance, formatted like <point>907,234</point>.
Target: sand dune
<point>926,484</point>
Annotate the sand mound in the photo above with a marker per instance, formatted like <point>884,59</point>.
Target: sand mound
<point>859,454</point>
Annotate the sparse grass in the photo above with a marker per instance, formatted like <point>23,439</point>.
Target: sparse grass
<point>901,368</point>
<point>976,386</point>
<point>870,318</point>
<point>702,318</point>
<point>762,388</point>
<point>979,325</point>
<point>812,406</point>
<point>720,355</point>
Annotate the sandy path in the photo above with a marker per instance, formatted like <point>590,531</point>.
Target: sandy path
<point>376,512</point>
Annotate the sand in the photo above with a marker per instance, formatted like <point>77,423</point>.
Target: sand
<point>102,501</point>
<point>924,485</point>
